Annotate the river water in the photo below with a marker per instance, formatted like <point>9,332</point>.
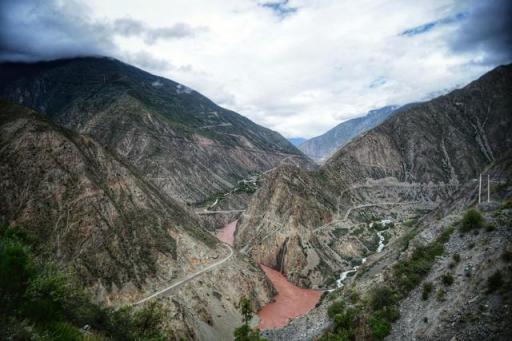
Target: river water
<point>290,301</point>
<point>227,233</point>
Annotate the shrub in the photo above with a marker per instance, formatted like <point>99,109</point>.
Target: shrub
<point>440,295</point>
<point>246,333</point>
<point>382,297</point>
<point>380,328</point>
<point>336,308</point>
<point>494,282</point>
<point>490,227</point>
<point>456,257</point>
<point>447,279</point>
<point>472,220</point>
<point>427,289</point>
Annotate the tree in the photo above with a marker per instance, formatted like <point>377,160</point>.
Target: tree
<point>245,332</point>
<point>246,310</point>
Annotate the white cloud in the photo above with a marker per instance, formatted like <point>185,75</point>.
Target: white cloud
<point>303,72</point>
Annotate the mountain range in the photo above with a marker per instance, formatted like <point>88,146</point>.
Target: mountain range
<point>124,179</point>
<point>180,140</point>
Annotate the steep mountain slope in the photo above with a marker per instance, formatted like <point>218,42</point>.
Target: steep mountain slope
<point>448,139</point>
<point>176,138</point>
<point>398,171</point>
<point>95,214</point>
<point>464,302</point>
<point>320,148</point>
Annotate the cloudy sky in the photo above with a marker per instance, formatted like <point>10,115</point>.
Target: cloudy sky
<point>299,67</point>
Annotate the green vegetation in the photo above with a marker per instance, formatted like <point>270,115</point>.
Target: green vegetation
<point>447,279</point>
<point>245,187</point>
<point>456,257</point>
<point>427,290</point>
<point>440,295</point>
<point>490,227</point>
<point>339,232</point>
<point>379,308</point>
<point>410,222</point>
<point>409,273</point>
<point>245,332</point>
<point>40,302</point>
<point>472,220</point>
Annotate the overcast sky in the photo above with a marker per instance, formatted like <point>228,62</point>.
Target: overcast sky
<point>299,67</point>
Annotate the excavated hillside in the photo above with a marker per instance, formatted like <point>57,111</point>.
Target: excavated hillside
<point>176,138</point>
<point>96,215</point>
<point>312,225</point>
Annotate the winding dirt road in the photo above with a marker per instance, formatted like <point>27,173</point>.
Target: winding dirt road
<point>187,278</point>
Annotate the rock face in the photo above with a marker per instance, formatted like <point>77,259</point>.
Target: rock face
<point>400,170</point>
<point>322,147</point>
<point>90,207</point>
<point>274,231</point>
<point>175,137</point>
<point>125,238</point>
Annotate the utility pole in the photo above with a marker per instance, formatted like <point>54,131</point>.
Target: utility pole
<point>480,190</point>
<point>488,188</point>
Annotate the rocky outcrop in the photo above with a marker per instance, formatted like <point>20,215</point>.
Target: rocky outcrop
<point>322,147</point>
<point>175,137</point>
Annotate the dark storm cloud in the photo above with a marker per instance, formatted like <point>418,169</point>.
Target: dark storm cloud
<point>488,29</point>
<point>33,30</point>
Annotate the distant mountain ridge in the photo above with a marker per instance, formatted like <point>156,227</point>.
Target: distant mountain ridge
<point>320,148</point>
<point>296,141</point>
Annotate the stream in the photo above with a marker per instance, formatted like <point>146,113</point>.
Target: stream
<point>344,274</point>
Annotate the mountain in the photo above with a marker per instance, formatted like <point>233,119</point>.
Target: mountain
<point>312,225</point>
<point>320,148</point>
<point>296,140</point>
<point>176,138</point>
<point>93,214</point>
<point>448,139</point>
